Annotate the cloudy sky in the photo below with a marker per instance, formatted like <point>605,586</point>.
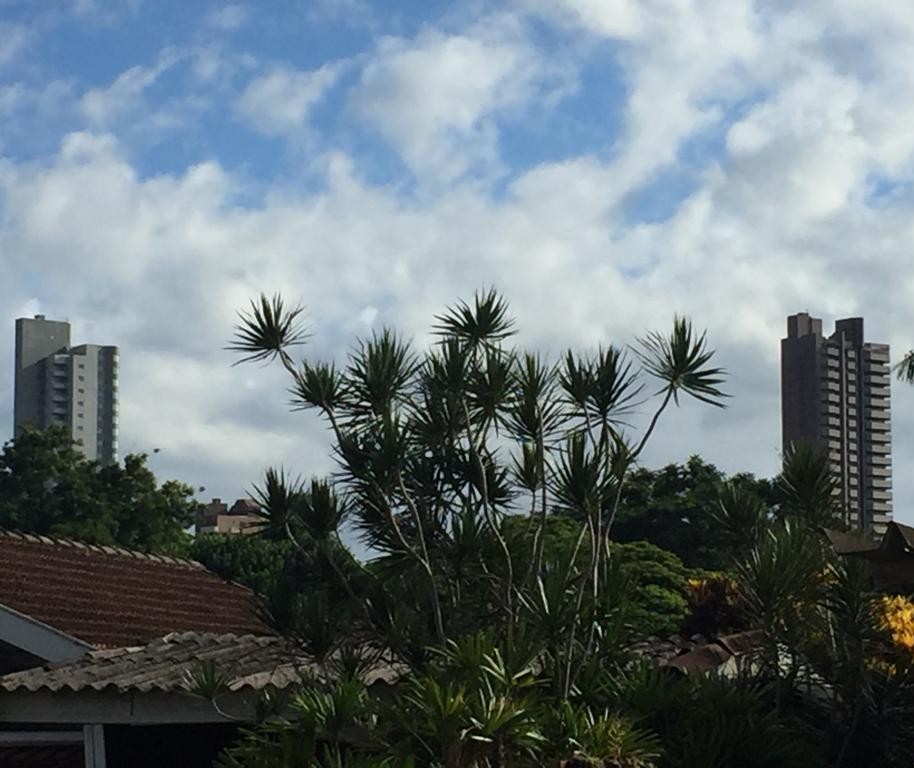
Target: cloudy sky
<point>605,163</point>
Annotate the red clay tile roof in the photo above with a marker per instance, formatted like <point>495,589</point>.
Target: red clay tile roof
<point>110,597</point>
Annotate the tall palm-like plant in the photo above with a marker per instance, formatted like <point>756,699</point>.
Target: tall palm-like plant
<point>807,488</point>
<point>434,449</point>
<point>781,582</point>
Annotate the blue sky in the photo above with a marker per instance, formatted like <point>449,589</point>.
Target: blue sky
<point>605,163</point>
<point>187,62</point>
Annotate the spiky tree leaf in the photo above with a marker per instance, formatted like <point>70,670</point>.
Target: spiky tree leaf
<point>741,515</point>
<point>319,510</point>
<point>905,368</point>
<point>267,330</point>
<point>279,500</point>
<point>535,410</point>
<point>808,489</point>
<point>381,373</point>
<point>614,388</point>
<point>680,361</point>
<point>318,386</point>
<point>580,482</point>
<point>486,322</point>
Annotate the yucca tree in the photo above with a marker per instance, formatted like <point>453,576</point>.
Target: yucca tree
<point>807,489</point>
<point>436,447</point>
<point>781,581</point>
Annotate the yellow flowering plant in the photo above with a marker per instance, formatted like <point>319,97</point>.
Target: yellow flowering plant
<point>896,616</point>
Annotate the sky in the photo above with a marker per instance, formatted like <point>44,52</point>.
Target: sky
<point>603,163</point>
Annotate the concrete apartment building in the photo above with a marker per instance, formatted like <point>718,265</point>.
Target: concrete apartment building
<point>217,517</point>
<point>835,394</point>
<point>73,387</point>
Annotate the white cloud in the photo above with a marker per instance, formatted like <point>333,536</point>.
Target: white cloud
<point>607,18</point>
<point>684,61</point>
<point>437,98</point>
<point>160,265</point>
<point>228,17</point>
<point>280,102</point>
<point>13,38</point>
<point>805,108</point>
<point>104,106</point>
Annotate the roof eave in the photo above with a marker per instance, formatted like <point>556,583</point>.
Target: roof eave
<point>37,638</point>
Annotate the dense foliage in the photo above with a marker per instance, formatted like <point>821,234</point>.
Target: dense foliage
<point>501,609</point>
<point>489,481</point>
<point>48,487</point>
<point>675,507</point>
<point>657,581</point>
<point>254,561</point>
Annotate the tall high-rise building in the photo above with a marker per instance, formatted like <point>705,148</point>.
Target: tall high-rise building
<point>73,387</point>
<point>835,394</point>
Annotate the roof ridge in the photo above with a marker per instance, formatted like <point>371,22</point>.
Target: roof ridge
<point>103,549</point>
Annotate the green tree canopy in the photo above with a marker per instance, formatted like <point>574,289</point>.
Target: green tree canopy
<point>253,560</point>
<point>677,508</point>
<point>48,487</point>
<point>656,578</point>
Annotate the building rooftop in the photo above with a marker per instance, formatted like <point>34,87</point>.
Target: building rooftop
<point>249,661</point>
<point>245,507</point>
<point>165,665</point>
<point>109,597</point>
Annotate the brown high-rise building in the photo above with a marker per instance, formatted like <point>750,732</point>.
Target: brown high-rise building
<point>835,395</point>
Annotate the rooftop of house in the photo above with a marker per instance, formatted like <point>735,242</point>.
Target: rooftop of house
<point>110,597</point>
<point>245,507</point>
<point>165,665</point>
<point>896,543</point>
